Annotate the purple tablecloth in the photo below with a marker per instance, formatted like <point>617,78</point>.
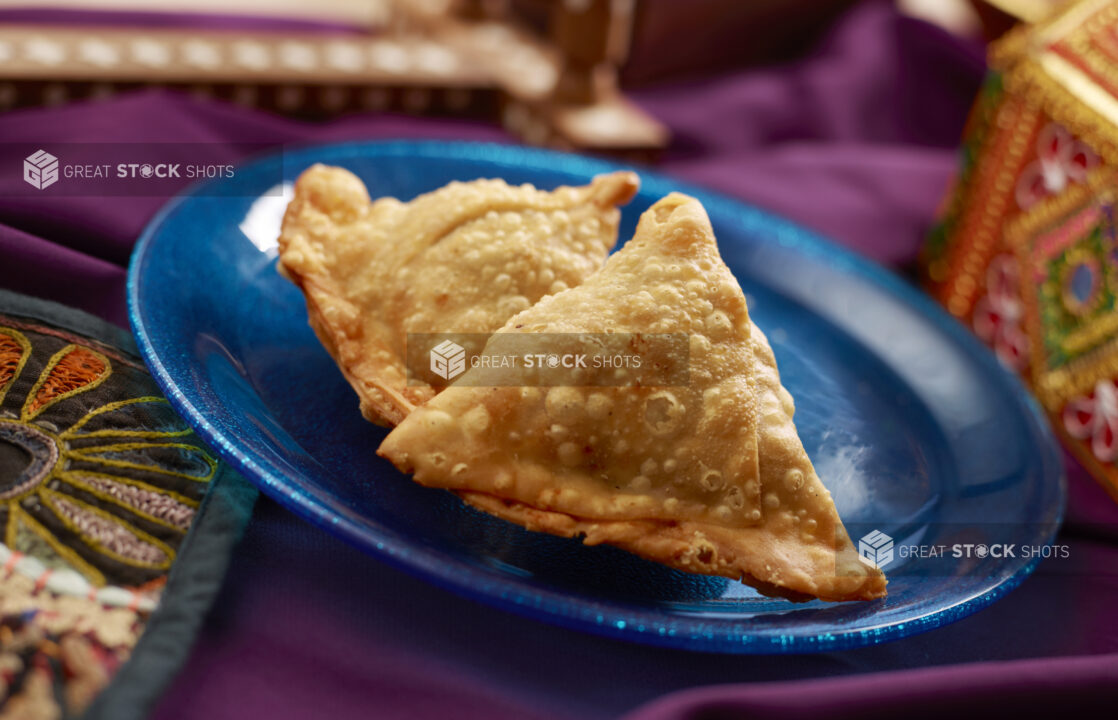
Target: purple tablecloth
<point>855,141</point>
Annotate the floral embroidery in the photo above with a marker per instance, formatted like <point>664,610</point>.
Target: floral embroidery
<point>72,370</point>
<point>998,314</point>
<point>13,354</point>
<point>1061,159</point>
<point>116,485</point>
<point>99,482</point>
<point>1094,417</point>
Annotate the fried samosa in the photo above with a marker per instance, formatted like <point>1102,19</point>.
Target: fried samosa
<point>463,258</point>
<point>708,477</point>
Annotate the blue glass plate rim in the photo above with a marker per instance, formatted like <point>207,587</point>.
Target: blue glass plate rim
<point>611,619</point>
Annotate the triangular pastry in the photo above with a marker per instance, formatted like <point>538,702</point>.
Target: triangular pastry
<point>723,488</point>
<point>463,258</point>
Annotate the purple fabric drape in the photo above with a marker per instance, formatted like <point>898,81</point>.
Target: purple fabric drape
<point>856,141</point>
<point>988,689</point>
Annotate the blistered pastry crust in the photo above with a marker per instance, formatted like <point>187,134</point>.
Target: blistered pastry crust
<point>799,552</point>
<point>768,520</point>
<point>623,452</point>
<point>463,258</point>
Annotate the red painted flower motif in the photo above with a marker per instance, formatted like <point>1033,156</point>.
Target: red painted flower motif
<point>1094,417</point>
<point>998,313</point>
<point>1061,159</point>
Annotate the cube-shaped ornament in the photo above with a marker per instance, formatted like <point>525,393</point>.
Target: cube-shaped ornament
<point>1026,253</point>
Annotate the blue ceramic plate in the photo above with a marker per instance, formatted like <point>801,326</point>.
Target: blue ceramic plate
<point>911,423</point>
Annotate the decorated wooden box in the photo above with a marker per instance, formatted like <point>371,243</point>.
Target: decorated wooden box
<point>1027,253</point>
